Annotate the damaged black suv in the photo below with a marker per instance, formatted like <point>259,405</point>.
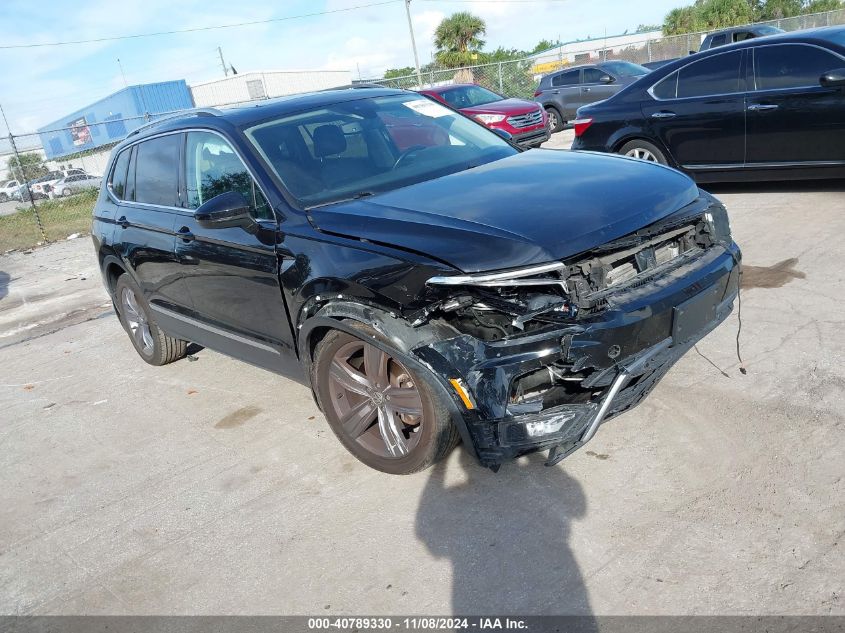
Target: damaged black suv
<point>431,282</point>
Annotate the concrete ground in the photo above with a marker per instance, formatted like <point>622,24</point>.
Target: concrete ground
<point>213,487</point>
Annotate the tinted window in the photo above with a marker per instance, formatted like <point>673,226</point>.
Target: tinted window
<point>567,79</point>
<point>668,88</point>
<point>718,40</point>
<point>118,174</point>
<point>791,66</point>
<point>130,175</point>
<point>593,76</point>
<point>712,76</point>
<point>157,171</point>
<point>213,167</point>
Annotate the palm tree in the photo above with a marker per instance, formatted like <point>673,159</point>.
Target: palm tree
<point>457,36</point>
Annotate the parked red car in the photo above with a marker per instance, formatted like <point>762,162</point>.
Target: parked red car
<point>525,121</point>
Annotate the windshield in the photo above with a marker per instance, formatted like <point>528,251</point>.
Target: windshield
<point>469,96</point>
<point>626,69</point>
<point>368,146</point>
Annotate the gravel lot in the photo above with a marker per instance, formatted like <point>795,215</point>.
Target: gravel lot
<point>214,487</point>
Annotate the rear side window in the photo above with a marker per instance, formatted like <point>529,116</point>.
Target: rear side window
<point>118,174</point>
<point>791,66</point>
<point>566,79</point>
<point>712,76</point>
<point>157,171</point>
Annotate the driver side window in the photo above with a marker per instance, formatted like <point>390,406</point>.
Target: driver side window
<point>213,167</point>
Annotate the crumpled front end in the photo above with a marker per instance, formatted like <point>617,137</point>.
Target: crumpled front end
<point>541,363</point>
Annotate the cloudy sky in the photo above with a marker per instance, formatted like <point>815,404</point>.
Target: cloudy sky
<point>41,84</point>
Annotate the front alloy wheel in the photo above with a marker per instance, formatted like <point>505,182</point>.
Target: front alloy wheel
<point>380,410</point>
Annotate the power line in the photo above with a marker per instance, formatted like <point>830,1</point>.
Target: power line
<point>199,28</point>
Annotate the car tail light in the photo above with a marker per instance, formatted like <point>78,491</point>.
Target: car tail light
<point>538,92</point>
<point>581,125</point>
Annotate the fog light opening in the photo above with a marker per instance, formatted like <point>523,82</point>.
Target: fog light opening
<point>547,427</point>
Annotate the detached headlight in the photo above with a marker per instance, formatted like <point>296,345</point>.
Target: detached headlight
<point>487,119</point>
<point>716,217</point>
<point>519,277</point>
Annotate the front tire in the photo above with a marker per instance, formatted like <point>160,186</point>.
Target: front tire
<point>643,150</point>
<point>389,417</point>
<point>153,345</point>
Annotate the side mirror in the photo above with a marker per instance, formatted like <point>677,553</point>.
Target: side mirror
<point>504,134</point>
<point>224,211</point>
<point>833,78</point>
<point>606,79</point>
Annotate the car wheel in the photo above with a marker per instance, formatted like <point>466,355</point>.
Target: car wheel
<point>153,345</point>
<point>389,417</point>
<point>66,192</point>
<point>643,150</point>
<point>3,197</point>
<point>556,121</point>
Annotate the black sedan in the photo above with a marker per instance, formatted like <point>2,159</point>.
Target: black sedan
<point>766,108</point>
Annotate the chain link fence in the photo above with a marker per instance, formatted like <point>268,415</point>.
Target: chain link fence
<point>519,78</point>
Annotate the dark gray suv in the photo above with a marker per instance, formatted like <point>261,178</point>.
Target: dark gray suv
<point>564,91</point>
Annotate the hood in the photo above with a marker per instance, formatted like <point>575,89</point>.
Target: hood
<point>506,106</point>
<point>530,208</point>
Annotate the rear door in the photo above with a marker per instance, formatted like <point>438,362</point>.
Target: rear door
<point>566,92</point>
<point>232,274</point>
<point>698,112</point>
<point>792,119</point>
<point>148,202</point>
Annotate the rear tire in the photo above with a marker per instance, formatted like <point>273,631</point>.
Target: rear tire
<point>643,150</point>
<point>153,345</point>
<point>556,121</point>
<point>361,416</point>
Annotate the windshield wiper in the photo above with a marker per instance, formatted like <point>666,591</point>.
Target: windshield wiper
<point>355,196</point>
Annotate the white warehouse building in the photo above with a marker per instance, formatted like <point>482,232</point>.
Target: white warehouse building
<point>265,85</point>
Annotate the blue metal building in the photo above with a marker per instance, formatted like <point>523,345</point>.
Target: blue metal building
<point>112,118</point>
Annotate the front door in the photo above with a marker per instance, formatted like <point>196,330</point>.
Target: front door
<point>593,88</point>
<point>792,119</point>
<point>232,274</point>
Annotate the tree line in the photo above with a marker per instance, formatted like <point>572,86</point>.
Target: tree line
<point>708,15</point>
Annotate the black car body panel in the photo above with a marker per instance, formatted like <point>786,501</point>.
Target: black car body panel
<point>635,265</point>
<point>777,120</point>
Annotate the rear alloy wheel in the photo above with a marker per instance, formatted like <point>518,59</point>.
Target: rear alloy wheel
<point>153,345</point>
<point>556,123</point>
<point>643,150</point>
<point>66,192</point>
<point>382,412</point>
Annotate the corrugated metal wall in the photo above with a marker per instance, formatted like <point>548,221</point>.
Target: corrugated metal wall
<point>110,119</point>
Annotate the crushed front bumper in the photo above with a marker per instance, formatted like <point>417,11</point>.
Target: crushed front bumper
<point>625,351</point>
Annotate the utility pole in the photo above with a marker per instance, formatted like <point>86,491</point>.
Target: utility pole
<point>222,62</point>
<point>413,42</point>
<point>122,74</point>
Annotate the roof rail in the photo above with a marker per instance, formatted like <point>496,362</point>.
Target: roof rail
<point>177,115</point>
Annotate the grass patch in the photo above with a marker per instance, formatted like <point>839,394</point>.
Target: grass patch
<point>61,217</point>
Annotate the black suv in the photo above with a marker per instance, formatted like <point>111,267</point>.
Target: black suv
<point>429,281</point>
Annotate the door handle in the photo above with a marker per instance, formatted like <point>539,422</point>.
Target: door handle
<point>556,92</point>
<point>123,222</point>
<point>663,115</point>
<point>185,234</point>
<point>762,107</point>
<point>585,89</point>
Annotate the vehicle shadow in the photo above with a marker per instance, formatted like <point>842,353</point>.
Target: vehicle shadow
<point>506,535</point>
<point>5,280</point>
<point>777,186</point>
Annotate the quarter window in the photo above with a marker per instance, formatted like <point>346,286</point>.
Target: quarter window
<point>213,168</point>
<point>714,75</point>
<point>566,79</point>
<point>791,66</point>
<point>118,174</point>
<point>157,171</point>
<point>668,88</point>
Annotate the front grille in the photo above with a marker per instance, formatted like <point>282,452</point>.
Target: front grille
<point>526,120</point>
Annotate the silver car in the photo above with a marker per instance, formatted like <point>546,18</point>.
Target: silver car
<point>74,184</point>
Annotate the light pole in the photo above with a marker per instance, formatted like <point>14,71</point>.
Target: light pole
<point>413,42</point>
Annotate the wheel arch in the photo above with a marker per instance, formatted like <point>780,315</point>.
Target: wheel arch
<point>626,136</point>
<point>345,315</point>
